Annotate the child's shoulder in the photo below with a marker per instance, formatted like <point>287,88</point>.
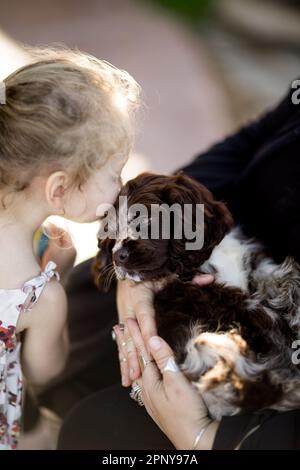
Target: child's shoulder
<point>53,295</point>
<point>50,307</point>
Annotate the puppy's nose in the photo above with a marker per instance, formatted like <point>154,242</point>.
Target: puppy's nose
<point>121,255</point>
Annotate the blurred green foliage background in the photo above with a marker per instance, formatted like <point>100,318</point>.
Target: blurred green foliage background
<point>191,10</point>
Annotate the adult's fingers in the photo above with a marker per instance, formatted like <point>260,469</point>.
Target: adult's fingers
<point>203,279</point>
<point>151,385</point>
<point>162,354</point>
<point>137,338</point>
<point>124,303</point>
<point>172,378</point>
<point>121,343</point>
<point>131,355</point>
<point>145,313</point>
<point>162,378</point>
<point>135,301</point>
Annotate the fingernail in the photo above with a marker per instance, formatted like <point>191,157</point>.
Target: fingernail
<point>203,279</point>
<point>125,382</point>
<point>131,374</point>
<point>116,330</point>
<point>155,343</point>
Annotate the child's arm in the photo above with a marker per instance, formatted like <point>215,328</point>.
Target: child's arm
<point>45,347</point>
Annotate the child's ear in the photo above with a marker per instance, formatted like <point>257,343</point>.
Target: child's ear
<point>100,266</point>
<point>55,188</point>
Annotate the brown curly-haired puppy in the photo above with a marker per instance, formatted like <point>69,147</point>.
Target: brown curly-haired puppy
<point>234,338</point>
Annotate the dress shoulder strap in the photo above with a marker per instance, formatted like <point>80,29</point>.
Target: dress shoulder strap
<point>35,286</point>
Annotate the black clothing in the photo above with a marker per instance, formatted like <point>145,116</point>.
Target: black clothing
<point>110,419</point>
<point>257,173</point>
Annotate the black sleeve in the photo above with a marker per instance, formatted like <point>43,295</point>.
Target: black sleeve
<point>219,167</point>
<point>269,430</point>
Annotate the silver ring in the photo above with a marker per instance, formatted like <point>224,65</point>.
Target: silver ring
<point>136,394</point>
<point>146,361</point>
<point>143,362</point>
<point>171,366</point>
<point>113,335</point>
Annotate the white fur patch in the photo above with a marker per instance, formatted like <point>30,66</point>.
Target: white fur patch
<point>230,259</point>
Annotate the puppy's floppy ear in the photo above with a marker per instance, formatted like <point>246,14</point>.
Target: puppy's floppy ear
<point>217,219</point>
<point>100,265</point>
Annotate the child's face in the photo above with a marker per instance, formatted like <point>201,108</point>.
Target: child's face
<point>103,186</point>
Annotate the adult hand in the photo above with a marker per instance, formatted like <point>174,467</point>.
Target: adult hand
<point>169,398</point>
<point>135,300</point>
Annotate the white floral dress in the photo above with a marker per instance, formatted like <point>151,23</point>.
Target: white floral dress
<point>12,302</point>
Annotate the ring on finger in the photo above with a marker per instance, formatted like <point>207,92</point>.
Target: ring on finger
<point>143,362</point>
<point>136,393</point>
<point>126,342</point>
<point>171,366</point>
<point>129,344</point>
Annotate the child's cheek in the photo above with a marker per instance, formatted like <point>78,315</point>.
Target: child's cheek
<point>76,207</point>
<point>84,205</point>
<point>99,199</point>
<point>109,194</point>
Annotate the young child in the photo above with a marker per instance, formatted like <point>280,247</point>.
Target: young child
<point>66,130</point>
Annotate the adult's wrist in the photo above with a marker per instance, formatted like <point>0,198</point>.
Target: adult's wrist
<point>207,437</point>
<point>187,439</point>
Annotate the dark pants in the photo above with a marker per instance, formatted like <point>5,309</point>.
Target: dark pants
<point>109,419</point>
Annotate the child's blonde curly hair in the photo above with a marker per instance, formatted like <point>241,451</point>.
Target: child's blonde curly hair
<point>66,110</point>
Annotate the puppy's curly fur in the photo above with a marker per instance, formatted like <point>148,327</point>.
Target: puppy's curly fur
<point>233,339</point>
